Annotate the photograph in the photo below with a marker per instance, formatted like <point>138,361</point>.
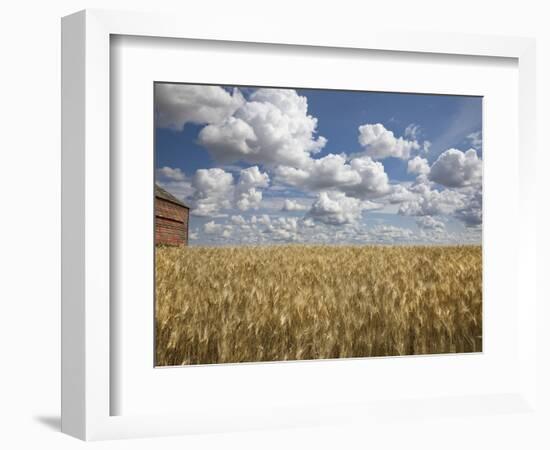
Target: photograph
<point>297,223</point>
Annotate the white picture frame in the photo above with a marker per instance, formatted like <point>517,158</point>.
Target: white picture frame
<point>86,222</point>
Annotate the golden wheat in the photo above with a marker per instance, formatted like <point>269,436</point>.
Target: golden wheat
<point>273,303</point>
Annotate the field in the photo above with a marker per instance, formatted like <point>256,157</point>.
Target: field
<point>273,303</point>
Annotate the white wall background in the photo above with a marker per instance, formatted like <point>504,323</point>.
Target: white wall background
<point>30,199</point>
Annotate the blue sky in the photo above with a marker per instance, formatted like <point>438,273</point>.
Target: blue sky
<point>271,166</point>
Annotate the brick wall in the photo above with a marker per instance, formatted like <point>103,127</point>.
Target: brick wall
<point>171,223</point>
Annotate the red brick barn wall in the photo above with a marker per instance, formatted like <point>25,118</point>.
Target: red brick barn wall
<point>171,223</point>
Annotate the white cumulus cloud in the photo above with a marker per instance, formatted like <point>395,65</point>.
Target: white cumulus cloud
<point>430,223</point>
<point>230,141</point>
<point>170,173</point>
<point>426,201</point>
<point>328,172</point>
<point>253,177</point>
<point>336,208</point>
<point>399,193</point>
<point>178,104</point>
<point>264,219</point>
<point>373,178</point>
<point>421,199</point>
<point>291,205</point>
<point>272,128</point>
<point>380,143</point>
<point>472,211</point>
<point>454,168</point>
<point>418,166</point>
<point>214,190</point>
<point>361,177</point>
<point>247,195</point>
<point>212,227</point>
<point>238,220</point>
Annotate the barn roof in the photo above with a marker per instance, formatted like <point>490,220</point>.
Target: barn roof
<point>165,195</point>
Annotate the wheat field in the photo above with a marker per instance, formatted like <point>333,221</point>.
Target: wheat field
<point>275,303</point>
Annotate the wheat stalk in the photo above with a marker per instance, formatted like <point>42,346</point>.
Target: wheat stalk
<point>274,303</point>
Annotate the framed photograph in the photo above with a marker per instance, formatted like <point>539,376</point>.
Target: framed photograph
<point>270,246</point>
<point>267,230</point>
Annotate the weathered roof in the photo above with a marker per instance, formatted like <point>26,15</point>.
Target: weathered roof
<point>165,195</point>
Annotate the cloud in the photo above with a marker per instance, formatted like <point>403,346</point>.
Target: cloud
<point>399,193</point>
<point>426,201</point>
<point>175,181</point>
<point>214,190</point>
<point>429,223</point>
<point>412,131</point>
<point>336,208</point>
<point>272,128</point>
<point>284,228</point>
<point>238,220</point>
<point>475,139</point>
<point>253,177</point>
<point>308,223</point>
<point>472,211</point>
<point>460,171</point>
<point>426,145</point>
<point>229,141</point>
<point>388,233</point>
<point>264,229</point>
<point>328,228</point>
<point>361,177</point>
<point>249,199</point>
<point>212,227</point>
<point>374,180</point>
<point>178,104</point>
<point>418,166</point>
<point>329,172</point>
<point>454,168</point>
<point>246,194</point>
<point>172,174</point>
<point>421,199</point>
<point>290,205</point>
<point>272,132</point>
<point>264,219</point>
<point>380,143</point>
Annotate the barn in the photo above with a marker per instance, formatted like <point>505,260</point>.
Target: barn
<point>171,219</point>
